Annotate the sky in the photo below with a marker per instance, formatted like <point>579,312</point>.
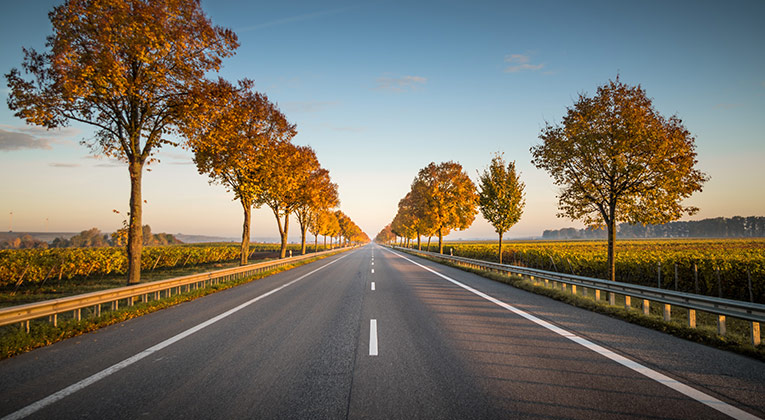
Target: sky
<point>381,89</point>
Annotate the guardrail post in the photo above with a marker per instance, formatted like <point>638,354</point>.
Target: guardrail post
<point>98,310</point>
<point>25,325</point>
<point>692,318</point>
<point>573,289</point>
<point>54,319</point>
<point>584,291</point>
<point>755,334</point>
<point>130,301</point>
<point>115,305</point>
<point>597,294</point>
<point>646,307</point>
<point>721,330</point>
<point>611,298</point>
<point>78,314</point>
<point>667,312</point>
<point>627,302</point>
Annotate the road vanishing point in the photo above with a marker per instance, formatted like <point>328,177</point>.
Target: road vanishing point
<point>377,334</point>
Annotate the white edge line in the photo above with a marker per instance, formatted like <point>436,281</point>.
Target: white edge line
<point>373,337</point>
<point>71,389</point>
<point>687,390</point>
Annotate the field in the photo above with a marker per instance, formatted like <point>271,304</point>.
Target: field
<point>35,274</point>
<point>723,267</point>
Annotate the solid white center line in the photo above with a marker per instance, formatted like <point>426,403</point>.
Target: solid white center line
<point>373,337</point>
<point>71,389</point>
<point>373,286</point>
<point>629,363</point>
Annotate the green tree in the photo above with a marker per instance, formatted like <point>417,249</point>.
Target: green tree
<point>617,159</point>
<point>234,135</point>
<point>126,67</point>
<point>501,197</point>
<point>448,198</point>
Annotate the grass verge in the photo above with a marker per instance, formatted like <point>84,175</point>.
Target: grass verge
<point>15,340</point>
<point>736,339</point>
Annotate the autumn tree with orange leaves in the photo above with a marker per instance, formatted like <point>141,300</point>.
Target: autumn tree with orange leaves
<point>318,194</point>
<point>617,159</point>
<point>319,222</point>
<point>446,196</point>
<point>282,184</point>
<point>128,68</point>
<point>235,134</point>
<point>386,235</point>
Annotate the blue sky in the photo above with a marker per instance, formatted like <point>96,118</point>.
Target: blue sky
<point>381,89</point>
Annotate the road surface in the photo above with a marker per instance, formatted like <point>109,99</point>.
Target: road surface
<point>374,333</point>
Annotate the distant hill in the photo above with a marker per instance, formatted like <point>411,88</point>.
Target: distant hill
<point>40,236</point>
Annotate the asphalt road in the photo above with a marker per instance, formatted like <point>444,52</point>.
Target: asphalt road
<point>373,333</point>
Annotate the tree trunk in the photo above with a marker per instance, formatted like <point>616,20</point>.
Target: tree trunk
<point>245,232</point>
<point>302,243</point>
<point>283,252</point>
<point>500,248</point>
<point>419,248</point>
<point>429,243</point>
<point>135,230</point>
<point>611,223</point>
<point>316,243</point>
<point>440,242</point>
<point>325,242</point>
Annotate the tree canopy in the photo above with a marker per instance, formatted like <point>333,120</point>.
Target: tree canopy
<point>501,197</point>
<point>235,134</point>
<point>282,184</point>
<point>616,158</point>
<point>447,196</point>
<point>318,194</point>
<point>129,69</point>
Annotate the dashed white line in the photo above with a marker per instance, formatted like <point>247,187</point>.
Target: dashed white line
<point>373,337</point>
<point>373,286</point>
<point>71,389</point>
<point>373,271</point>
<point>680,387</point>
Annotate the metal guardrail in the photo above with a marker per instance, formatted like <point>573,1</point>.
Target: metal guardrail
<point>144,291</point>
<point>752,312</point>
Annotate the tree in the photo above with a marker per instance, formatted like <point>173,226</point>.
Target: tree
<point>448,197</point>
<point>617,159</point>
<point>282,182</point>
<point>344,225</point>
<point>318,224</point>
<point>318,193</point>
<point>501,197</point>
<point>127,68</point>
<point>331,228</point>
<point>386,235</point>
<point>405,222</point>
<point>234,135</point>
